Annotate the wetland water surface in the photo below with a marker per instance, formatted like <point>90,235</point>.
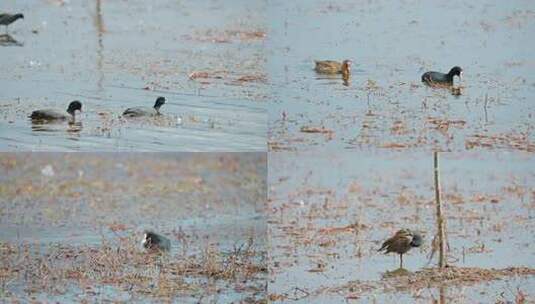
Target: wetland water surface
<point>330,213</point>
<point>392,44</point>
<point>206,58</point>
<point>76,221</point>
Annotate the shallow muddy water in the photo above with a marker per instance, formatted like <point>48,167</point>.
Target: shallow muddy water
<point>391,44</point>
<point>330,213</point>
<point>67,205</point>
<point>115,55</point>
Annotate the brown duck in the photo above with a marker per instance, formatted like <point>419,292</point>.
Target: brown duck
<point>402,242</point>
<point>333,67</point>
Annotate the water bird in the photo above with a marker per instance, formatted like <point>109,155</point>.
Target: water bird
<point>145,111</point>
<point>436,78</point>
<point>7,19</point>
<point>155,241</point>
<point>50,115</point>
<point>402,242</point>
<point>333,67</point>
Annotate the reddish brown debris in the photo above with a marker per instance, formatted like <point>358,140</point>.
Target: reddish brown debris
<point>322,130</point>
<point>252,78</point>
<point>516,141</point>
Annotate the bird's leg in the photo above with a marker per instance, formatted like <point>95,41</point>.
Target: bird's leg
<point>401,261</point>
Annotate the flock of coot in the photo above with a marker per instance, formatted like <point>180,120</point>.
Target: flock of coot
<point>46,115</point>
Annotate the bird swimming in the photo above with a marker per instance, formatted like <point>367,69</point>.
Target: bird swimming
<point>402,242</point>
<point>51,115</point>
<point>154,241</point>
<point>145,111</point>
<point>7,19</point>
<point>436,78</point>
<point>333,67</point>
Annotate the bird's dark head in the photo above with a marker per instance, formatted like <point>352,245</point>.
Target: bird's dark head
<point>148,239</point>
<point>417,240</point>
<point>73,106</point>
<point>456,71</point>
<point>160,101</point>
<point>21,16</point>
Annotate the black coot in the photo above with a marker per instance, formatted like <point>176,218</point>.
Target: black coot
<point>437,78</point>
<point>155,241</point>
<point>50,115</point>
<point>7,19</point>
<point>145,111</point>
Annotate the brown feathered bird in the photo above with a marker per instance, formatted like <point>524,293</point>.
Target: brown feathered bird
<point>402,242</point>
<point>7,19</point>
<point>334,67</point>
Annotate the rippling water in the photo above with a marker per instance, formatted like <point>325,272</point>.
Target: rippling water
<point>114,55</point>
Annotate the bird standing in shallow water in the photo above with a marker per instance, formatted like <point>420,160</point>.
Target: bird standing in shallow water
<point>145,111</point>
<point>440,79</point>
<point>51,115</point>
<point>7,19</point>
<point>402,242</point>
<point>155,242</point>
<point>334,67</point>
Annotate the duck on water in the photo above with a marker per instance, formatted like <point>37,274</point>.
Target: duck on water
<point>145,111</point>
<point>433,78</point>
<point>55,115</point>
<point>333,67</point>
<point>7,19</point>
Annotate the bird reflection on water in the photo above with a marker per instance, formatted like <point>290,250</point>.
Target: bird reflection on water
<point>73,127</point>
<point>8,40</point>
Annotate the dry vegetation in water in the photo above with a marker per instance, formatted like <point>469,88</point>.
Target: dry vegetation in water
<point>28,270</point>
<point>228,36</point>
<point>427,278</point>
<point>439,132</point>
<point>325,233</point>
<point>514,141</point>
<point>210,76</point>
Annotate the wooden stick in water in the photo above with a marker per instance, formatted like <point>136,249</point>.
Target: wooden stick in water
<point>440,217</point>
